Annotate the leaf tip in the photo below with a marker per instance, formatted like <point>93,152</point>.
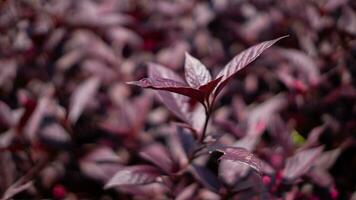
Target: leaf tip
<point>131,82</point>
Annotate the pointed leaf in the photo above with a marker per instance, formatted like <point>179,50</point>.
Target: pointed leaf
<point>230,171</point>
<point>54,135</point>
<point>313,137</point>
<point>159,71</point>
<point>300,163</point>
<point>188,192</point>
<point>100,164</point>
<point>171,86</point>
<point>259,116</point>
<point>186,140</point>
<point>280,131</point>
<point>177,104</point>
<point>158,155</point>
<point>6,115</point>
<point>197,118</point>
<point>321,177</point>
<point>243,156</point>
<point>82,97</point>
<point>134,175</point>
<point>205,177</point>
<point>196,73</point>
<point>242,60</point>
<point>16,189</point>
<point>34,122</point>
<point>327,159</point>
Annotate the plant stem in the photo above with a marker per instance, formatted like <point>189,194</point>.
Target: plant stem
<point>207,113</point>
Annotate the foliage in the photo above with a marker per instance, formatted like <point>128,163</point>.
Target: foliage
<point>72,128</point>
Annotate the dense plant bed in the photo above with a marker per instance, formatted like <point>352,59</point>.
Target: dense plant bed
<point>236,99</point>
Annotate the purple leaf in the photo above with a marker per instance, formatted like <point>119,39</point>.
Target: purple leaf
<point>242,60</point>
<point>303,63</point>
<point>177,104</point>
<point>6,115</point>
<point>300,163</point>
<point>321,177</point>
<point>156,70</point>
<point>313,137</point>
<point>158,155</point>
<point>15,189</point>
<point>54,134</point>
<point>259,116</point>
<point>181,144</point>
<point>243,156</point>
<point>347,21</point>
<point>147,191</point>
<point>197,119</point>
<point>230,171</point>
<point>100,164</point>
<point>327,159</point>
<point>205,177</point>
<point>81,97</point>
<point>134,175</point>
<point>280,132</point>
<point>8,73</point>
<point>196,73</point>
<point>186,140</point>
<point>322,164</point>
<point>188,192</point>
<point>33,123</point>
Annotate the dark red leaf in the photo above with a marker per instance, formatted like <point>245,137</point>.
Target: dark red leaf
<point>210,86</point>
<point>171,86</point>
<point>242,60</point>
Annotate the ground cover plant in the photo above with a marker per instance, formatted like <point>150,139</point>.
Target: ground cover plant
<point>218,99</point>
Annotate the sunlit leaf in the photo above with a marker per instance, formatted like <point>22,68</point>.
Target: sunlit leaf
<point>134,175</point>
<point>242,60</point>
<point>243,156</point>
<point>196,74</point>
